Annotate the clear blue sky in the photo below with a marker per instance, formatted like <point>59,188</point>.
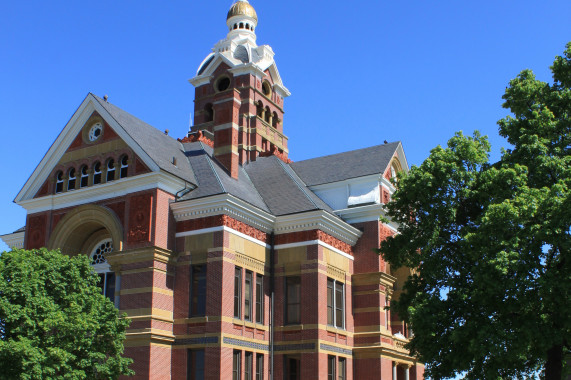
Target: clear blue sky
<point>360,72</point>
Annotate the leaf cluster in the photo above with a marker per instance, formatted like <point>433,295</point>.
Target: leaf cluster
<point>491,294</point>
<point>54,321</point>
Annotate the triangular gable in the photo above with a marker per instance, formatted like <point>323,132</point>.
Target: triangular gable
<point>68,137</point>
<point>400,156</point>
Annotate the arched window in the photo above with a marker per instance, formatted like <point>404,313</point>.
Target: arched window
<point>241,25</point>
<point>235,26</point>
<point>208,113</point>
<point>84,177</point>
<point>275,120</point>
<point>99,264</point>
<point>268,115</point>
<point>97,173</point>
<point>124,167</point>
<point>110,170</point>
<point>248,26</point>
<point>260,109</point>
<point>71,179</point>
<point>59,182</point>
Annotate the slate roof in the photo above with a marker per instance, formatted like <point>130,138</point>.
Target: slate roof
<point>160,147</point>
<point>346,165</point>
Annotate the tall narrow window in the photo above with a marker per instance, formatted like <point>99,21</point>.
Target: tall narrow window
<point>238,293</point>
<point>103,269</point>
<point>260,367</point>
<point>291,368</point>
<point>293,300</point>
<point>342,369</point>
<point>124,167</point>
<point>195,365</point>
<point>97,173</point>
<point>84,181</point>
<point>110,171</point>
<point>198,291</point>
<point>208,113</point>
<point>59,182</point>
<point>236,365</point>
<point>248,374</point>
<point>335,303</point>
<point>71,179</point>
<point>259,299</point>
<point>331,368</point>
<point>387,315</point>
<point>249,286</point>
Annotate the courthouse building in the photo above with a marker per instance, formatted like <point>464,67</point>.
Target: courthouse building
<point>231,261</point>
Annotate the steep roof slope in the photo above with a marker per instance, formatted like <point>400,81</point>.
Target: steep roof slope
<point>346,165</point>
<point>159,146</point>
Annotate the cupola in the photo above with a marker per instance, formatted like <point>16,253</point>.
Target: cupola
<point>242,19</point>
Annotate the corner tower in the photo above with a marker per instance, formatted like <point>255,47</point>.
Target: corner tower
<point>239,95</point>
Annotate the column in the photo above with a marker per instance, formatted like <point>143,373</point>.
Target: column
<point>394,371</point>
<point>406,372</point>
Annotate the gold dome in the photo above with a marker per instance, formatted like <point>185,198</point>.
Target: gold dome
<point>242,8</point>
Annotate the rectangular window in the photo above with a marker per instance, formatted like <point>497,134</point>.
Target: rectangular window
<point>291,368</point>
<point>335,303</point>
<point>293,300</point>
<point>342,370</point>
<point>238,293</point>
<point>249,287</point>
<point>249,366</point>
<point>197,302</point>
<point>236,365</point>
<point>260,367</point>
<point>107,285</point>
<point>331,367</point>
<point>259,299</point>
<point>195,365</point>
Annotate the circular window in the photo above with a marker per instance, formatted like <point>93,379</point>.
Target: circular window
<point>100,251</point>
<point>95,132</point>
<point>223,84</point>
<point>266,89</point>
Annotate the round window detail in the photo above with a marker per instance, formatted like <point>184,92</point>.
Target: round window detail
<point>223,84</point>
<point>95,132</point>
<point>98,256</point>
<point>266,89</point>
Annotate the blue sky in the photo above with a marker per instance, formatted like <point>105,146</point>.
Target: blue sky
<point>360,72</point>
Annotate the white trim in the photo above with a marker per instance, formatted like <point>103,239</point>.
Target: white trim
<point>114,189</point>
<point>66,137</point>
<point>222,228</point>
<point>313,242</point>
<point>223,204</point>
<point>14,240</point>
<point>369,213</point>
<point>335,185</point>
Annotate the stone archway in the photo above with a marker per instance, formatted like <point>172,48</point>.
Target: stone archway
<point>83,227</point>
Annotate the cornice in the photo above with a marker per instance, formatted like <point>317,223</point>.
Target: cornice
<point>14,240</point>
<point>368,213</point>
<point>96,193</point>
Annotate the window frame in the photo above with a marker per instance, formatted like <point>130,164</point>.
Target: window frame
<point>331,367</point>
<point>259,299</point>
<point>249,365</point>
<point>198,278</point>
<point>259,366</point>
<point>193,357</point>
<point>248,295</point>
<point>236,365</point>
<point>336,289</point>
<point>238,292</point>
<point>296,282</point>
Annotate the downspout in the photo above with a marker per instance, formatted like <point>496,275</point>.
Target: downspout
<point>272,307</point>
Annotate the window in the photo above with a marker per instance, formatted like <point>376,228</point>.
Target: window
<point>110,170</point>
<point>124,167</point>
<point>238,293</point>
<point>59,182</point>
<point>260,367</point>
<point>197,302</point>
<point>236,365</point>
<point>291,368</point>
<point>259,299</point>
<point>331,367</point>
<point>84,177</point>
<point>71,179</point>
<point>208,113</point>
<point>102,268</point>
<point>97,173</point>
<point>248,296</point>
<point>267,115</point>
<point>248,366</point>
<point>293,298</point>
<point>387,315</point>
<point>195,365</point>
<point>223,84</point>
<point>342,370</point>
<point>335,303</point>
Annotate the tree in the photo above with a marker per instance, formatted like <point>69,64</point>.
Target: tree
<point>54,321</point>
<point>490,295</point>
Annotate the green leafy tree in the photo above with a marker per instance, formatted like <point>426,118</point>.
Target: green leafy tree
<point>490,296</point>
<point>54,321</point>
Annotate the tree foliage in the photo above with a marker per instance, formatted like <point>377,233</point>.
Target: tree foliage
<point>54,321</point>
<point>491,297</point>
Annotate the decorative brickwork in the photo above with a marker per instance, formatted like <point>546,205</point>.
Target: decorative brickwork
<point>221,220</point>
<point>140,218</point>
<point>300,236</point>
<point>197,136</point>
<point>36,232</point>
<point>119,210</point>
<point>276,152</point>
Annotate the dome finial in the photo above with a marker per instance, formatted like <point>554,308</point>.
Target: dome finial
<point>242,8</point>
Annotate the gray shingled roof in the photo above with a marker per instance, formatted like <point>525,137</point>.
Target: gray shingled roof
<point>342,166</point>
<point>282,190</point>
<point>160,147</point>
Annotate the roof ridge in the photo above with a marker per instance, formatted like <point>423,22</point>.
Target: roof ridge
<point>284,165</point>
<point>349,151</point>
<point>211,164</point>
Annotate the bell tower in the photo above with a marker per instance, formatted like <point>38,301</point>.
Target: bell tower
<point>239,95</point>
